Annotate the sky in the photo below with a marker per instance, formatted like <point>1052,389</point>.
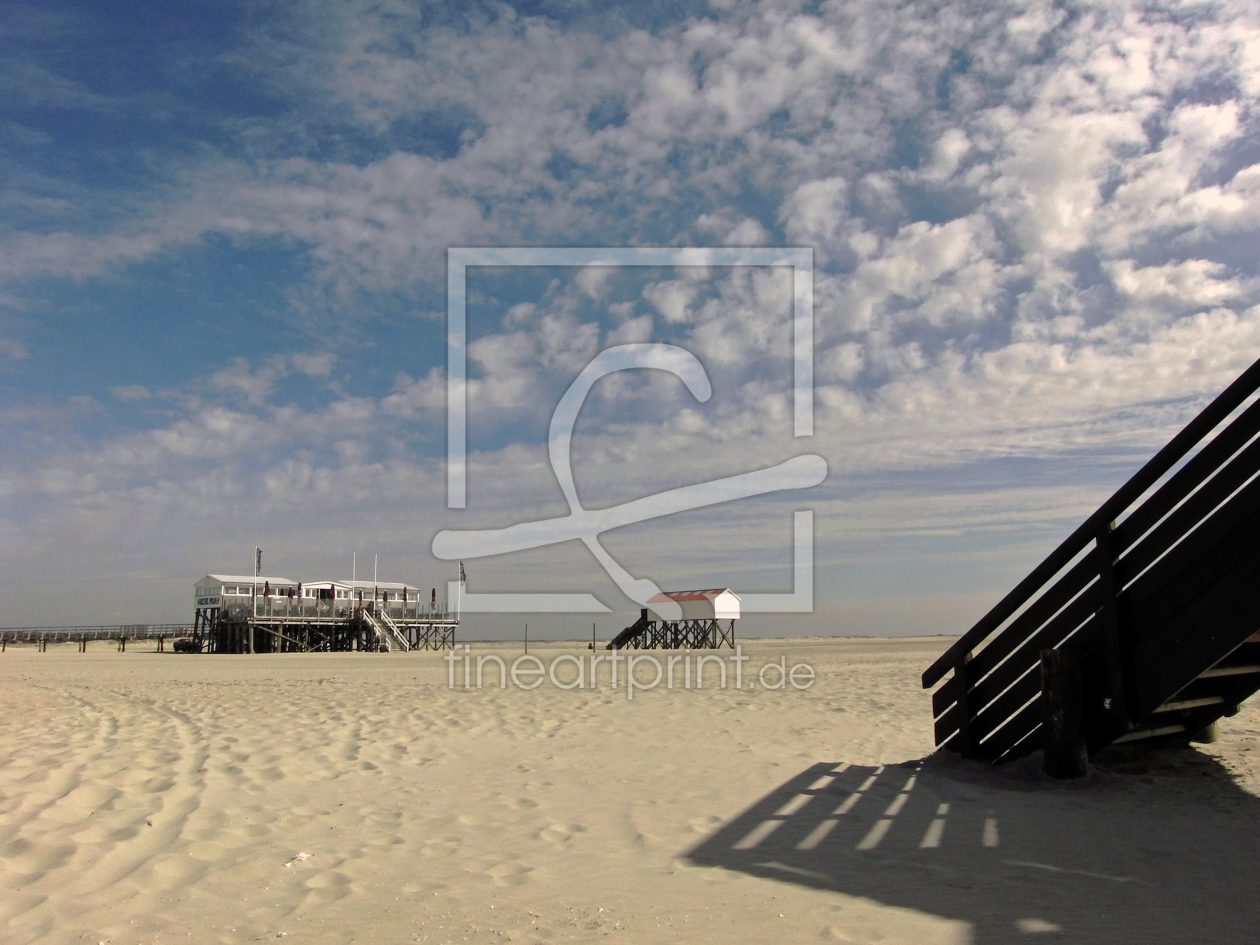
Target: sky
<point>223,300</point>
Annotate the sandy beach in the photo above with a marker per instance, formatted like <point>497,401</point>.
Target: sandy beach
<point>150,797</point>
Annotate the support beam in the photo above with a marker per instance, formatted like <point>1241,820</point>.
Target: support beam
<point>1063,726</point>
<point>965,747</point>
<point>1115,707</point>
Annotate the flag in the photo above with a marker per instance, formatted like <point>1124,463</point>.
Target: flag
<point>266,589</point>
<point>257,561</point>
<point>463,578</point>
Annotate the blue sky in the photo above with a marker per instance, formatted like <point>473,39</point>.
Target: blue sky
<point>223,230</point>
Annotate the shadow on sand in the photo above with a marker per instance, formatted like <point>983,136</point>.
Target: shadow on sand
<point>1157,849</point>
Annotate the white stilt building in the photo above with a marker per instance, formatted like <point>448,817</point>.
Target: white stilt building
<point>268,614</point>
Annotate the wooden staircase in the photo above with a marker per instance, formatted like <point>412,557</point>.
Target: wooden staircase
<point>1156,597</point>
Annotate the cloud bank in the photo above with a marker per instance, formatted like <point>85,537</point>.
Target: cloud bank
<point>1033,228</point>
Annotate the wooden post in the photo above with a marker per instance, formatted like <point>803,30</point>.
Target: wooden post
<point>1063,722</point>
<point>965,747</point>
<point>1207,736</point>
<point>1115,708</point>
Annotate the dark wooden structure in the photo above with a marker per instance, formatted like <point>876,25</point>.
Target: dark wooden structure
<point>356,629</point>
<point>1157,595</point>
<point>646,634</point>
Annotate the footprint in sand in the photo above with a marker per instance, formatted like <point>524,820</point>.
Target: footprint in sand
<point>509,874</point>
<point>104,832</point>
<point>248,832</point>
<point>26,863</point>
<point>171,871</point>
<point>440,846</point>
<point>328,886</point>
<point>705,825</point>
<point>154,785</point>
<point>208,852</point>
<point>560,834</point>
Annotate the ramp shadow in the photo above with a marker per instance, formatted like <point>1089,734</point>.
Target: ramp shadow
<point>1160,852</point>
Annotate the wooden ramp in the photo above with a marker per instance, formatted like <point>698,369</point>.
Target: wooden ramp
<point>1156,598</point>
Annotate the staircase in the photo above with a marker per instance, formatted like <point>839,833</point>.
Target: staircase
<point>396,637</point>
<point>1156,597</point>
<point>387,633</point>
<point>629,633</point>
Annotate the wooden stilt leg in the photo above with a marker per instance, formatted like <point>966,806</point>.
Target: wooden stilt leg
<point>1063,726</point>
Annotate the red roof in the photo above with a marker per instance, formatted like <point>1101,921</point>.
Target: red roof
<point>690,595</point>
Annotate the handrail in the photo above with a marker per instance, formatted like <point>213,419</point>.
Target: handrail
<point>1228,400</point>
<point>393,628</point>
<point>109,627</point>
<point>130,631</point>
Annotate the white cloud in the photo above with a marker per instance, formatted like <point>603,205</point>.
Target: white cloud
<point>13,349</point>
<point>316,365</point>
<point>131,392</point>
<point>672,298</point>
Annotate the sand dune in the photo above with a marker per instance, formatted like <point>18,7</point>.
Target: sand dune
<point>356,797</point>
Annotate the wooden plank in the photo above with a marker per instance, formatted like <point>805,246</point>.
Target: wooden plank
<point>944,697</point>
<point>1073,618</point>
<point>1008,703</point>
<point>1078,618</point>
<point>1153,732</point>
<point>1197,508</point>
<point>1217,671</point>
<point>1179,577</point>
<point>1025,746</point>
<point>1178,704</point>
<point>1021,726</point>
<point>1048,606</point>
<point>1054,599</point>
<point>1202,466</point>
<point>1201,634</point>
<point>1220,408</point>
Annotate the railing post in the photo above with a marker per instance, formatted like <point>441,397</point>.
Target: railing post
<point>966,745</point>
<point>1115,706</point>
